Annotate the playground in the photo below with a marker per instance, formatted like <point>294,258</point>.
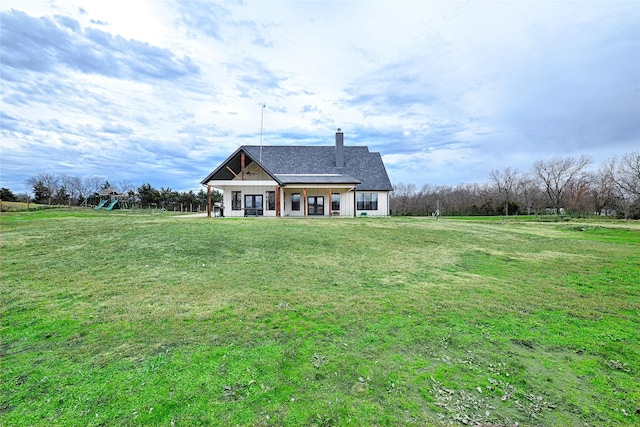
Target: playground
<point>109,207</point>
<point>110,199</point>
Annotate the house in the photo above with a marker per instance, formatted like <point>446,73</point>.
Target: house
<point>302,181</point>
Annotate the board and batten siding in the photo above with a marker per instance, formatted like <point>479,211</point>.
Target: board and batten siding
<point>246,190</point>
<point>383,204</point>
<point>347,201</point>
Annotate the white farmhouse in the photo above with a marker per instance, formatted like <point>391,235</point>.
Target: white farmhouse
<point>303,181</point>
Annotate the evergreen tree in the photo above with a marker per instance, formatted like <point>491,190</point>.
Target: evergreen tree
<point>7,195</point>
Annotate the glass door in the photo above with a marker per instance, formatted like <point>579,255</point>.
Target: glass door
<point>253,205</point>
<point>315,205</point>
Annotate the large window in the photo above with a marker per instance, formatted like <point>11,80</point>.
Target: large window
<point>271,200</point>
<point>236,200</point>
<point>367,201</point>
<point>335,201</point>
<point>295,202</point>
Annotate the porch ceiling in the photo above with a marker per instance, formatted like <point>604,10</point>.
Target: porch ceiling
<point>316,179</point>
<point>240,183</point>
<point>332,186</point>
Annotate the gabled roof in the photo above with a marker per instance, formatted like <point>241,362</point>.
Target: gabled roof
<point>311,165</point>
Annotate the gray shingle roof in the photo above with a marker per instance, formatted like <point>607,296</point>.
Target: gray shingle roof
<point>287,164</point>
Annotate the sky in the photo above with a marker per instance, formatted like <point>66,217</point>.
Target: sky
<point>161,92</point>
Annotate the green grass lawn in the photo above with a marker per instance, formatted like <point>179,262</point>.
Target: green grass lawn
<point>118,318</point>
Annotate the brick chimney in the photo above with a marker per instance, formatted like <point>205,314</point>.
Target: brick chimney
<point>339,149</point>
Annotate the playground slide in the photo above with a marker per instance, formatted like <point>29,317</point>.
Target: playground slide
<point>111,205</point>
<point>102,203</point>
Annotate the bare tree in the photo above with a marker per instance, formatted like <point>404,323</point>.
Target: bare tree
<point>92,184</point>
<point>72,185</point>
<point>48,182</point>
<point>602,190</point>
<point>429,200</point>
<point>627,174</point>
<point>576,195</point>
<point>556,174</point>
<point>506,184</point>
<point>555,183</point>
<point>624,175</point>
<point>529,193</point>
<point>126,186</point>
<point>402,199</point>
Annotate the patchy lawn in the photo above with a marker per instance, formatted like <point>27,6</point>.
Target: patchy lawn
<point>140,319</point>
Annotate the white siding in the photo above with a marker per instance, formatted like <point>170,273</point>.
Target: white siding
<point>346,203</point>
<point>347,200</point>
<point>246,190</point>
<point>383,204</point>
<point>286,210</point>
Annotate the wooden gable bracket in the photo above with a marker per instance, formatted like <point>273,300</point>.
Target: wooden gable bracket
<point>253,171</point>
<point>231,170</point>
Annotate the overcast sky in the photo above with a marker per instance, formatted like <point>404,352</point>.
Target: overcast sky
<point>161,92</point>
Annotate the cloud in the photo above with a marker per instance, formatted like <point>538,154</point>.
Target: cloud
<point>9,123</point>
<point>260,41</point>
<point>445,91</point>
<point>254,78</point>
<point>396,85</point>
<point>206,17</point>
<point>580,84</point>
<point>46,44</point>
<point>116,128</point>
<point>555,80</point>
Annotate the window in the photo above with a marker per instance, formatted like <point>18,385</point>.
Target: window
<point>367,201</point>
<point>236,200</point>
<point>295,202</point>
<point>335,201</point>
<point>271,200</point>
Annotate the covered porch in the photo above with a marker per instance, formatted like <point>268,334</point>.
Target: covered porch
<point>270,199</point>
<point>304,200</point>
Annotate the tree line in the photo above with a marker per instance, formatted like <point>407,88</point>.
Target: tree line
<point>69,190</point>
<point>560,185</point>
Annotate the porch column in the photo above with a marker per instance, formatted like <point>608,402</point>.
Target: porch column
<point>304,200</point>
<point>277,201</point>
<point>208,201</point>
<point>355,204</point>
<point>330,205</point>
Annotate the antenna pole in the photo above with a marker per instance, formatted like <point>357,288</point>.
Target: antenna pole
<point>261,123</point>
